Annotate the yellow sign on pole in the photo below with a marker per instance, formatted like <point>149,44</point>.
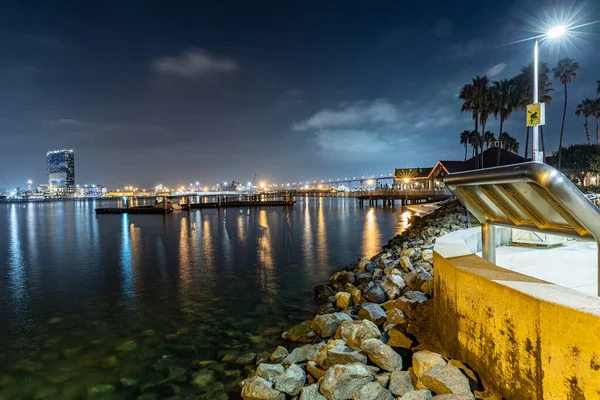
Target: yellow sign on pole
<point>536,114</point>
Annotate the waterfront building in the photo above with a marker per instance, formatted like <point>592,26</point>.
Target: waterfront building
<point>90,191</point>
<point>60,166</point>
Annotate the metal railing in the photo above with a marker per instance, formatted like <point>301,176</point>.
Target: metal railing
<point>530,196</point>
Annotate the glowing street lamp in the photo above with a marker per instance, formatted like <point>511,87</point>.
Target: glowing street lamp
<point>552,33</point>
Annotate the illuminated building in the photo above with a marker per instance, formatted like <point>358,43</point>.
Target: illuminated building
<point>61,171</point>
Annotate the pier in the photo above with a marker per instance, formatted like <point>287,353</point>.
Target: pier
<point>404,197</point>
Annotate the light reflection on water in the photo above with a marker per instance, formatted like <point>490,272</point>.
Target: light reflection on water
<point>110,277</point>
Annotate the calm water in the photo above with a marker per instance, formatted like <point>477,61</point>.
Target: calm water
<point>192,286</point>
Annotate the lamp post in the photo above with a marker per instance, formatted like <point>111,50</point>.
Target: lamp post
<point>552,33</point>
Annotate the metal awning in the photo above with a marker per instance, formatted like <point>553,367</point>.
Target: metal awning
<point>531,196</point>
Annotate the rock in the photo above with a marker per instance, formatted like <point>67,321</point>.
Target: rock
<point>427,255</point>
<point>473,380</point>
<point>343,354</point>
<point>270,372</point>
<point>391,291</point>
<point>109,362</point>
<point>355,332</point>
<point>320,356</point>
<point>409,302</point>
<point>262,357</point>
<point>425,359</point>
<point>256,340</point>
<point>130,345</point>
<point>203,378</point>
<point>314,369</point>
<point>397,338</point>
<point>324,292</point>
<point>343,300</point>
<point>291,381</point>
<point>279,354</point>
<point>128,382</point>
<point>383,379</point>
<point>407,252</point>
<point>422,394</point>
<point>381,354</point>
<point>372,312</point>
<point>326,308</point>
<point>246,359</point>
<point>343,381</point>
<point>363,277</point>
<point>256,388</point>
<point>445,379</point>
<point>395,316</point>
<point>374,293</point>
<point>400,382</point>
<point>405,264</point>
<point>100,391</point>
<point>311,393</point>
<point>396,280</point>
<point>326,325</point>
<point>300,333</point>
<point>363,263</point>
<point>372,391</point>
<point>356,296</point>
<point>301,354</point>
<point>454,397</point>
<point>377,275</point>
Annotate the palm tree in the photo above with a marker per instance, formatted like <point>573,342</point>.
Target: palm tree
<point>513,145</point>
<point>565,71</point>
<point>473,142</point>
<point>585,108</point>
<point>503,137</point>
<point>596,114</point>
<point>465,138</point>
<point>488,137</point>
<point>477,100</point>
<point>525,82</point>
<point>505,100</point>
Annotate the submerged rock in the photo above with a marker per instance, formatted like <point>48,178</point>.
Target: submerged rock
<point>203,378</point>
<point>129,345</point>
<point>100,390</point>
<point>300,333</point>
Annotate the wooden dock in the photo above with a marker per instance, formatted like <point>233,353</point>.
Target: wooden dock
<point>242,203</point>
<point>133,210</point>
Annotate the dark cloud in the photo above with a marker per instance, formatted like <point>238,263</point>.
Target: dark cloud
<point>194,63</point>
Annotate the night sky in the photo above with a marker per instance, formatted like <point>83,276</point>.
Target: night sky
<point>168,92</point>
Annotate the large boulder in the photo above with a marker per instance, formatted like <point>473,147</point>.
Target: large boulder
<point>421,394</point>
<point>374,293</point>
<point>445,379</point>
<point>381,354</point>
<point>342,381</point>
<point>425,359</point>
<point>321,356</point>
<point>300,333</point>
<point>326,325</point>
<point>343,354</point>
<point>408,303</point>
<point>270,372</point>
<point>291,381</point>
<point>256,388</point>
<point>400,382</point>
<point>372,312</point>
<point>311,392</point>
<point>355,332</point>
<point>373,391</point>
<point>301,354</point>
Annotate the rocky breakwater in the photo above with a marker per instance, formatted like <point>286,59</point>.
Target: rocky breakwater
<point>359,345</point>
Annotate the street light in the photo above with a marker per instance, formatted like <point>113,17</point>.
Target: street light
<point>552,33</point>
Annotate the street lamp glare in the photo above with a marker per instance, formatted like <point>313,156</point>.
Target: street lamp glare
<point>556,31</point>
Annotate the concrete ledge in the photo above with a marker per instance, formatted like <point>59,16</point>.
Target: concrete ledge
<point>528,338</point>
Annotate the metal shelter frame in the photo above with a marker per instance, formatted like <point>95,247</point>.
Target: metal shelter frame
<point>531,196</point>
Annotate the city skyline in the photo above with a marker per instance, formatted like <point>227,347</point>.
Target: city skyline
<point>306,94</point>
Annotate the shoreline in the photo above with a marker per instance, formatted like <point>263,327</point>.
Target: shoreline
<point>369,337</point>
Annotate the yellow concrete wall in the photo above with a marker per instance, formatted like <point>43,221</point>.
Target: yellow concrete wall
<point>509,328</point>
